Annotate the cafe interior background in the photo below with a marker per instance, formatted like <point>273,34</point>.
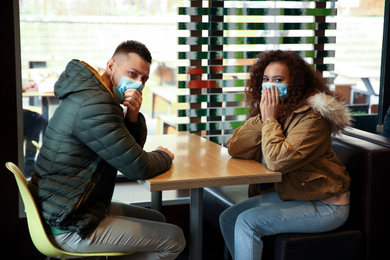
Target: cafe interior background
<point>44,35</point>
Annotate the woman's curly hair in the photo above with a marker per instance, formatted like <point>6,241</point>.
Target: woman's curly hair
<point>305,82</point>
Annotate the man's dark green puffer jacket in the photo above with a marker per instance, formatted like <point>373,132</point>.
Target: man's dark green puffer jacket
<point>86,142</point>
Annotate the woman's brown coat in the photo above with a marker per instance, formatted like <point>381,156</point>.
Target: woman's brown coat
<point>301,150</point>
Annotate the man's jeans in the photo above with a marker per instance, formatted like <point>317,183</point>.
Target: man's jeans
<point>243,225</point>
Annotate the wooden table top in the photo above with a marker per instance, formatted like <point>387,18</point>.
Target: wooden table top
<point>38,94</point>
<point>201,163</point>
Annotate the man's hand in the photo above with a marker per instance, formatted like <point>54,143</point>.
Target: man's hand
<point>133,102</point>
<point>269,104</point>
<point>167,151</point>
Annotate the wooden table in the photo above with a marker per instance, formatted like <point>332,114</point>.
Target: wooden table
<point>201,163</point>
<point>47,99</point>
<point>38,94</point>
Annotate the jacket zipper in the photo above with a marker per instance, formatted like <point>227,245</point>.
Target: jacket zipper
<point>82,199</point>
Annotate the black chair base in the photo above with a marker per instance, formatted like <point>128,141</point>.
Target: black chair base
<point>319,246</point>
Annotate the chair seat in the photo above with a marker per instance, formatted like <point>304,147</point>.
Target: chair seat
<point>319,246</point>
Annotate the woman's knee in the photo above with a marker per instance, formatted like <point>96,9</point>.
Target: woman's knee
<point>250,223</point>
<point>242,222</point>
<point>225,219</point>
<point>222,217</point>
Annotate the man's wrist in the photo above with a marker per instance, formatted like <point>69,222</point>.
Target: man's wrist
<point>132,118</point>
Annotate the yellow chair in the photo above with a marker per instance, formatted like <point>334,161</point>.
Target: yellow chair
<point>36,227</point>
<point>36,144</point>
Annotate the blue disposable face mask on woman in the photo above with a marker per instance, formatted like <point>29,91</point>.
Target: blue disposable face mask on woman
<point>282,88</point>
<point>125,84</point>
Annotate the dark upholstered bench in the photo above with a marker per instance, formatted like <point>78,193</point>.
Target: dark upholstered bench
<point>367,136</point>
<point>365,235</point>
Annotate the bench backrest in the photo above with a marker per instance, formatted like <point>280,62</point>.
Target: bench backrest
<point>368,164</point>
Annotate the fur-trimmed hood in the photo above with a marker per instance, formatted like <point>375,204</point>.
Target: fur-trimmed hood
<point>334,111</point>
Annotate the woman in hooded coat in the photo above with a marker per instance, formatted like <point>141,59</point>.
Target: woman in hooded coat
<point>293,116</point>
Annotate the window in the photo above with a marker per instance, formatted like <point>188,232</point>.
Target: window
<point>55,31</point>
<point>345,45</point>
<point>358,58</point>
<point>202,52</point>
<point>221,40</point>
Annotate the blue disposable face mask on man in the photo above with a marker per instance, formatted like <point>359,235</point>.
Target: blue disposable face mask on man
<point>125,84</point>
<point>282,88</point>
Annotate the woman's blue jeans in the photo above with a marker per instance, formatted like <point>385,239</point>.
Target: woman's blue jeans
<point>243,225</point>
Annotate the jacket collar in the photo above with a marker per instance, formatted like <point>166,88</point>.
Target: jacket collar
<point>332,110</point>
<point>97,75</point>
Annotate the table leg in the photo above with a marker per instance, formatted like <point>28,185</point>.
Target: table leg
<point>153,104</point>
<point>156,200</point>
<point>45,113</point>
<point>196,223</point>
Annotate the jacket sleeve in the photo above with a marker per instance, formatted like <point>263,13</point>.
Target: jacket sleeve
<point>100,126</point>
<point>138,130</point>
<point>307,140</point>
<point>245,143</point>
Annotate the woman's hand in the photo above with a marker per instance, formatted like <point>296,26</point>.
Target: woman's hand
<point>269,104</point>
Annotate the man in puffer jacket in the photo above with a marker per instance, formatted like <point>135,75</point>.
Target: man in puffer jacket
<point>88,139</point>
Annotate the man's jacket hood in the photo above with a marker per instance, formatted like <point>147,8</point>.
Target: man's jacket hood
<point>76,77</point>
